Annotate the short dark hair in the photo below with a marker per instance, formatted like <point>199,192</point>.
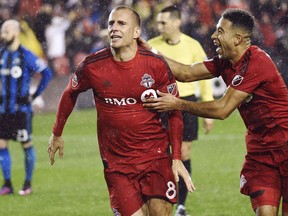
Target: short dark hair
<point>240,18</point>
<point>135,13</point>
<point>173,10</point>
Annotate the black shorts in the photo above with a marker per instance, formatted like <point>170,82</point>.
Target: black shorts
<point>16,126</point>
<point>190,122</point>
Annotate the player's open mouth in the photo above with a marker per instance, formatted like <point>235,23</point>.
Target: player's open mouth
<point>218,50</point>
<point>115,37</point>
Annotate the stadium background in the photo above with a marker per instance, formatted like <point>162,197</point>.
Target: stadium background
<point>75,185</point>
<point>63,32</point>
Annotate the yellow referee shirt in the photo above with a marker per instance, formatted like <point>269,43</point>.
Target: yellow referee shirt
<point>187,51</point>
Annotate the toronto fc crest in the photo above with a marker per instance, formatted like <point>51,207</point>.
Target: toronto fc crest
<point>147,81</point>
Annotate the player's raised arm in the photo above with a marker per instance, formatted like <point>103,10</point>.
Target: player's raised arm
<point>182,72</point>
<point>217,109</point>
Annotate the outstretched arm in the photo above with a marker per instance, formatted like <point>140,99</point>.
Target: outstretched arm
<point>65,107</point>
<point>217,109</point>
<point>182,72</point>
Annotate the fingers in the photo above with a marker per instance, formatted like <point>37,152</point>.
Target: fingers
<point>51,153</point>
<point>61,153</point>
<point>161,93</point>
<point>189,184</point>
<point>143,43</point>
<point>179,170</point>
<point>55,143</point>
<point>176,176</point>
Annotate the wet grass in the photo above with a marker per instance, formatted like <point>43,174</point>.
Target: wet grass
<point>75,185</point>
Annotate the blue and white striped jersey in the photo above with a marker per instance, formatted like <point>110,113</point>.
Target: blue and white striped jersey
<point>17,69</point>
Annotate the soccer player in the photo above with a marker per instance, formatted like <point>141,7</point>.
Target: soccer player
<point>17,66</point>
<point>257,90</point>
<point>140,174</point>
<point>180,47</point>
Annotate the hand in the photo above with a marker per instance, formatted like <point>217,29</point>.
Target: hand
<point>208,125</point>
<point>179,169</point>
<point>141,42</point>
<point>166,102</point>
<point>55,143</point>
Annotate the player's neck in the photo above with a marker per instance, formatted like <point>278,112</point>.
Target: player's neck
<point>239,54</point>
<point>124,54</point>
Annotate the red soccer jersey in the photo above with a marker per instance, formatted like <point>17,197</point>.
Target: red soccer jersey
<point>130,137</point>
<point>265,111</point>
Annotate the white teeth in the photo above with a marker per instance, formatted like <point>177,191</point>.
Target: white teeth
<point>218,48</point>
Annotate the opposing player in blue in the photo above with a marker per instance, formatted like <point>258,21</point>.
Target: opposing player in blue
<point>17,67</point>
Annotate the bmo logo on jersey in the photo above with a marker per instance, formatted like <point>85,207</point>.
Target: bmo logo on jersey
<point>120,102</point>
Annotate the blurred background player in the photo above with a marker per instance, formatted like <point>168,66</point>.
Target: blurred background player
<point>18,65</point>
<point>182,48</point>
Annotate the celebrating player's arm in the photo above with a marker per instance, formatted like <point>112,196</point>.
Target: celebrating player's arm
<point>182,72</point>
<point>217,109</point>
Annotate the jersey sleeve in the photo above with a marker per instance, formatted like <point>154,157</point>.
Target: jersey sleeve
<point>175,123</point>
<point>38,65</point>
<point>35,64</point>
<point>79,82</point>
<point>215,66</point>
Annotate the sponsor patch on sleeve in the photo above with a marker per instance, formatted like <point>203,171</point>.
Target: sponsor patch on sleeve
<point>172,89</point>
<point>237,80</point>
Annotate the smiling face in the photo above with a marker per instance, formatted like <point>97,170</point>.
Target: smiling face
<point>123,29</point>
<point>224,38</point>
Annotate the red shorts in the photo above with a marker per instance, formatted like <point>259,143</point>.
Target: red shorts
<point>265,183</point>
<point>128,193</point>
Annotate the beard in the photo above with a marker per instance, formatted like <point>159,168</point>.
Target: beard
<point>7,43</point>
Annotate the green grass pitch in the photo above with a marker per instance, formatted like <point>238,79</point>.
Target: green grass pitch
<point>75,185</point>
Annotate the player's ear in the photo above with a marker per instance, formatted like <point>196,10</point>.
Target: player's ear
<point>177,23</point>
<point>238,39</point>
<point>137,32</point>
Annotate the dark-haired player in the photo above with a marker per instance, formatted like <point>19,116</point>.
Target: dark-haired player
<point>140,174</point>
<point>257,90</point>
